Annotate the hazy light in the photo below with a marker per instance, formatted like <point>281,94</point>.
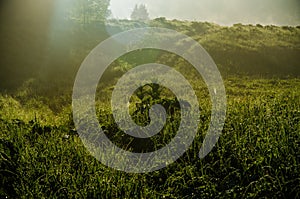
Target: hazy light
<point>227,12</point>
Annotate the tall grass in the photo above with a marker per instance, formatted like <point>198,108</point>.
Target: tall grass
<point>41,155</point>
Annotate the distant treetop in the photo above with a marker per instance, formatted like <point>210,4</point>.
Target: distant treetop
<point>140,13</point>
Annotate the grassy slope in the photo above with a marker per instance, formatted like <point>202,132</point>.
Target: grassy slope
<point>238,50</point>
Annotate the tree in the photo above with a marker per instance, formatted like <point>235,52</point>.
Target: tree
<point>86,11</point>
<point>140,13</point>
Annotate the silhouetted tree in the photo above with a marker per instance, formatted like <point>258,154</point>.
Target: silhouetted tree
<point>140,13</point>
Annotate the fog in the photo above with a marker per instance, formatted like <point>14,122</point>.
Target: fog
<point>224,12</point>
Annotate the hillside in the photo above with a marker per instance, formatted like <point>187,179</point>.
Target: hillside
<point>56,54</point>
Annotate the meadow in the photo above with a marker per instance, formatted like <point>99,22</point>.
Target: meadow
<point>257,155</point>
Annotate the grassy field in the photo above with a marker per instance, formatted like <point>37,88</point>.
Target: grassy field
<point>257,156</point>
<point>42,46</point>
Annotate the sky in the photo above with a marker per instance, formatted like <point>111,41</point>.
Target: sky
<point>223,12</point>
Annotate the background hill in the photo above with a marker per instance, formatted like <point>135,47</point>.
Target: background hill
<point>54,53</point>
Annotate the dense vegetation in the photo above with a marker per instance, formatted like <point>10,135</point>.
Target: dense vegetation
<point>55,55</point>
<point>41,155</point>
<point>256,156</point>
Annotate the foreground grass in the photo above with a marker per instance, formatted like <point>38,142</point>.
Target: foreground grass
<point>257,155</point>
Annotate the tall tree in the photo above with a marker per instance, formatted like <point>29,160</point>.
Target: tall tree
<point>140,13</point>
<point>86,11</point>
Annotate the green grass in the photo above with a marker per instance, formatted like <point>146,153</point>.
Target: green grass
<point>257,156</point>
